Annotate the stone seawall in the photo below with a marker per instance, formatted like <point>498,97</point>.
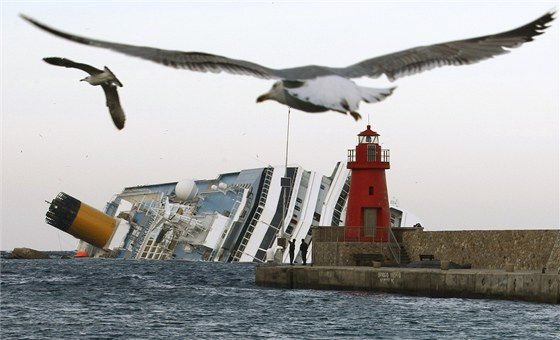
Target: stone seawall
<point>465,283</point>
<point>330,249</point>
<point>341,253</point>
<point>482,249</point>
<point>489,249</point>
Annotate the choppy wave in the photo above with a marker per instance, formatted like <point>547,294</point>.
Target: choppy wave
<point>97,299</point>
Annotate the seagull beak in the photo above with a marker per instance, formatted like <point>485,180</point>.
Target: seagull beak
<point>263,97</point>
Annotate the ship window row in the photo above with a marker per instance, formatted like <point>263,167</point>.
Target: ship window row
<point>257,215</point>
<point>336,220</point>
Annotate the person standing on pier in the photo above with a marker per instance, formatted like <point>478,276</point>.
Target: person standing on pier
<point>292,250</point>
<point>303,249</point>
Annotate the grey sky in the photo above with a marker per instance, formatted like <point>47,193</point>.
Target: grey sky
<point>472,147</point>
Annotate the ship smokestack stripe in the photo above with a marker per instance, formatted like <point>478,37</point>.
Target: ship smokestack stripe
<point>81,220</point>
<point>62,211</point>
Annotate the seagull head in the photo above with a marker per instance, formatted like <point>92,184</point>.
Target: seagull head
<point>275,93</point>
<point>88,78</point>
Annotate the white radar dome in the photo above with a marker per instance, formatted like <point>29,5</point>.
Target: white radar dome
<point>186,190</point>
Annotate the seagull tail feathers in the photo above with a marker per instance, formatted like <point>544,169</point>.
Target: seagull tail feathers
<point>374,95</point>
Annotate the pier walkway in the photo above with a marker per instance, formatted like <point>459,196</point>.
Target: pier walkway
<point>461,283</point>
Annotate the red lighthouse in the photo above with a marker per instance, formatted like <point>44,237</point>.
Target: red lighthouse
<point>368,215</point>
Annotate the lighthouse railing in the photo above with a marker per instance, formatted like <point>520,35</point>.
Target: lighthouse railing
<point>351,155</point>
<point>371,155</point>
<point>385,155</point>
<point>394,247</point>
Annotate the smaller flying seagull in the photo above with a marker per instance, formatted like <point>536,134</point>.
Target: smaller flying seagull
<point>105,78</point>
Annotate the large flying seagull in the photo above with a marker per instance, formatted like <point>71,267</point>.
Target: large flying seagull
<point>105,78</point>
<point>316,88</point>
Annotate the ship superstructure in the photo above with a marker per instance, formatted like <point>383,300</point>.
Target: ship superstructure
<point>236,217</point>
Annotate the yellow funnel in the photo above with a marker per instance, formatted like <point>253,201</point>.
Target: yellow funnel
<point>80,220</point>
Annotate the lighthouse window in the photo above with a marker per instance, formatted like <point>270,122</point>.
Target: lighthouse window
<point>371,153</point>
<point>370,191</point>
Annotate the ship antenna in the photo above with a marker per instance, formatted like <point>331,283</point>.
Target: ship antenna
<point>287,140</point>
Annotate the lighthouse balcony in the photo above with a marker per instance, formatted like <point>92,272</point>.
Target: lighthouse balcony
<point>372,155</point>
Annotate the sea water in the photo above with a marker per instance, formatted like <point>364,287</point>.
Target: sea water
<point>125,299</point>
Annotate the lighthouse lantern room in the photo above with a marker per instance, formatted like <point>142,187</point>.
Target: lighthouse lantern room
<point>367,214</point>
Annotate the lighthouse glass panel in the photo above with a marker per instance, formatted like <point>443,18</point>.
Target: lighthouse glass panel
<point>371,153</point>
<point>368,139</point>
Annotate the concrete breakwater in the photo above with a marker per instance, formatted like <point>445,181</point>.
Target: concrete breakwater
<point>530,250</point>
<point>464,283</point>
<point>490,249</point>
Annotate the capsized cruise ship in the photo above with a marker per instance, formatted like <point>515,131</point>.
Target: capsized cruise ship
<point>235,217</point>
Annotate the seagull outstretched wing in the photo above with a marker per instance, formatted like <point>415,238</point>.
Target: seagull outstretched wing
<point>341,94</point>
<point>71,64</point>
<point>395,65</point>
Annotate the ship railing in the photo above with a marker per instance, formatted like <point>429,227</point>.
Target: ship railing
<point>146,224</point>
<point>189,229</point>
<point>155,218</point>
<point>148,247</point>
<point>185,228</point>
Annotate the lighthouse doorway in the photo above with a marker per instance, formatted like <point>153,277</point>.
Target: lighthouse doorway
<point>370,221</point>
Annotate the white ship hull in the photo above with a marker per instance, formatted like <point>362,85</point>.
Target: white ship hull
<point>236,217</point>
